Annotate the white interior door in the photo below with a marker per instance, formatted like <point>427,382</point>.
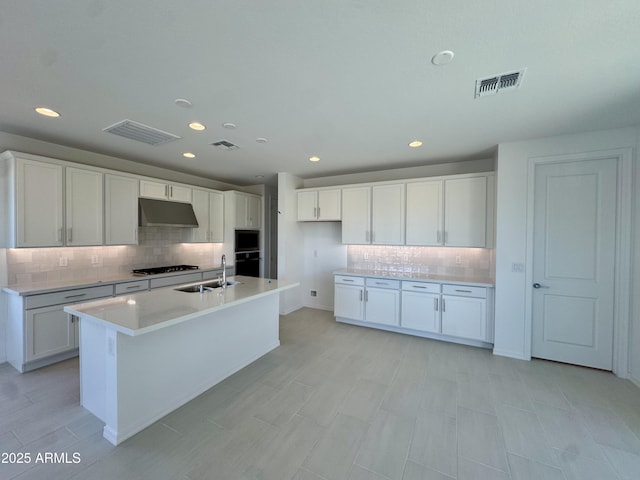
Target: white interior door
<point>574,255</point>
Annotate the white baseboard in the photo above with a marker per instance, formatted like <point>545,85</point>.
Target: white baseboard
<point>289,310</point>
<point>328,308</point>
<point>510,353</point>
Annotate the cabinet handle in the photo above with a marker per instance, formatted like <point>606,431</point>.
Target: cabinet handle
<point>439,235</point>
<point>435,304</point>
<point>360,295</point>
<point>464,291</point>
<point>442,303</point>
<point>366,295</point>
<point>382,283</point>
<point>318,212</point>
<point>69,237</point>
<point>76,296</point>
<point>166,191</point>
<point>315,212</point>
<point>171,191</point>
<point>417,286</point>
<point>134,287</point>
<point>347,280</point>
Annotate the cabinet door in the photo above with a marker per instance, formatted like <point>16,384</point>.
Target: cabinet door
<point>39,208</point>
<point>424,213</point>
<point>465,212</point>
<point>201,209</point>
<point>329,204</point>
<point>382,306</point>
<point>307,206</point>
<point>421,311</point>
<point>387,215</point>
<point>49,330</point>
<point>121,210</point>
<point>216,217</point>
<point>349,302</point>
<point>356,215</point>
<point>151,189</point>
<point>241,210</point>
<point>254,217</point>
<point>179,194</point>
<point>84,207</point>
<point>464,317</point>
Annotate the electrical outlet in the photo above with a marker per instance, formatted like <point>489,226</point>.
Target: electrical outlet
<point>517,267</point>
<point>458,259</point>
<point>313,293</point>
<point>95,259</point>
<point>63,262</point>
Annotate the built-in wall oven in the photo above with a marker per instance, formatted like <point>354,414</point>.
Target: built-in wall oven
<point>247,249</point>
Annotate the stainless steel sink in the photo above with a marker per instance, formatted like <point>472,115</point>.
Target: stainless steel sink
<point>205,286</point>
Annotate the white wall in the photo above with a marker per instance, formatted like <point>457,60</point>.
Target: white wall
<point>290,241</point>
<point>3,305</point>
<point>512,235</point>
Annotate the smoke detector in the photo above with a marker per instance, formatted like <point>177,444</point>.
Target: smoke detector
<point>504,82</point>
<point>225,145</point>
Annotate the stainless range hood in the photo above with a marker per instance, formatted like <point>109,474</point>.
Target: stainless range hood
<point>163,213</point>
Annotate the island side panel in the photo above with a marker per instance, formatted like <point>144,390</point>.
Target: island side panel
<point>162,370</point>
<point>93,367</point>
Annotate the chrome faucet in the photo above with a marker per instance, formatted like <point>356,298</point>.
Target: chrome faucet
<point>224,271</point>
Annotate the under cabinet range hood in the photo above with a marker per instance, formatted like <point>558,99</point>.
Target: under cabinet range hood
<point>164,213</point>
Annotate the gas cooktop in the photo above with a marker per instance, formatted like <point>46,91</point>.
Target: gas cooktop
<point>167,269</point>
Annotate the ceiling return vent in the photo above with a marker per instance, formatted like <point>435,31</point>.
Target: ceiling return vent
<point>225,145</point>
<point>140,132</point>
<point>505,82</point>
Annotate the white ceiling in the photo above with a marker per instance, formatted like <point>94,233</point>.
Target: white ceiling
<point>347,80</point>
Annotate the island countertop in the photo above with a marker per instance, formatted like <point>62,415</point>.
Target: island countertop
<point>145,312</point>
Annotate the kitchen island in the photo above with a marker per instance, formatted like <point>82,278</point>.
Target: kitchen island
<point>144,355</point>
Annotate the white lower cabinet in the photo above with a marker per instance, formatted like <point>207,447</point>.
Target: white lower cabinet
<point>431,309</point>
<point>49,331</point>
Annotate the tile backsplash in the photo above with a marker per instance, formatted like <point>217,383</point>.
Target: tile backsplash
<point>157,246</point>
<point>468,262</point>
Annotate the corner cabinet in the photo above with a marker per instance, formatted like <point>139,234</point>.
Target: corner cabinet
<point>455,313</point>
<point>319,205</point>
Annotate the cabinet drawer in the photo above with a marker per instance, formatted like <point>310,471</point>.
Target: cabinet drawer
<point>349,280</point>
<point>131,287</point>
<point>382,283</point>
<point>175,280</point>
<point>68,296</point>
<point>465,291</point>
<point>421,287</point>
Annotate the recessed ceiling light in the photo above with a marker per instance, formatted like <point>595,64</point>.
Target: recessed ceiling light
<point>183,102</point>
<point>229,126</point>
<point>261,140</point>
<point>415,144</point>
<point>189,155</point>
<point>442,58</point>
<point>314,159</point>
<point>47,112</point>
<point>197,126</point>
<point>259,176</point>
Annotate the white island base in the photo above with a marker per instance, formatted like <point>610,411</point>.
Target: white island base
<point>129,382</point>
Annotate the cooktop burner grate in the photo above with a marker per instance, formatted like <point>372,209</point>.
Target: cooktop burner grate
<point>166,269</point>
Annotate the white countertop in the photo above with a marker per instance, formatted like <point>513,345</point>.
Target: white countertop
<point>36,288</point>
<point>145,312</point>
<point>457,280</point>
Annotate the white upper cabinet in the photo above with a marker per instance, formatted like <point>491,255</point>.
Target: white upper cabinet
<point>38,213</point>
<point>319,205</point>
<point>120,210</point>
<point>424,213</point>
<point>455,212</point>
<point>248,210</point>
<point>208,206</point>
<point>84,207</point>
<point>373,215</point>
<point>387,214</point>
<point>165,191</point>
<point>465,212</point>
<point>356,215</point>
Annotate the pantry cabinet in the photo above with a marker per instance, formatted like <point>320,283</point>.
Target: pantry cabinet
<point>208,206</point>
<point>319,205</point>
<point>120,210</point>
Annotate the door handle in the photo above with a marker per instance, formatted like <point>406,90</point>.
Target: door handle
<point>538,285</point>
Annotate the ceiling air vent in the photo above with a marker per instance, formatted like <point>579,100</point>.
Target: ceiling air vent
<point>225,145</point>
<point>504,82</point>
<point>140,132</point>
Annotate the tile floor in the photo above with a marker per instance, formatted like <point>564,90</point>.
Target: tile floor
<point>345,403</point>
